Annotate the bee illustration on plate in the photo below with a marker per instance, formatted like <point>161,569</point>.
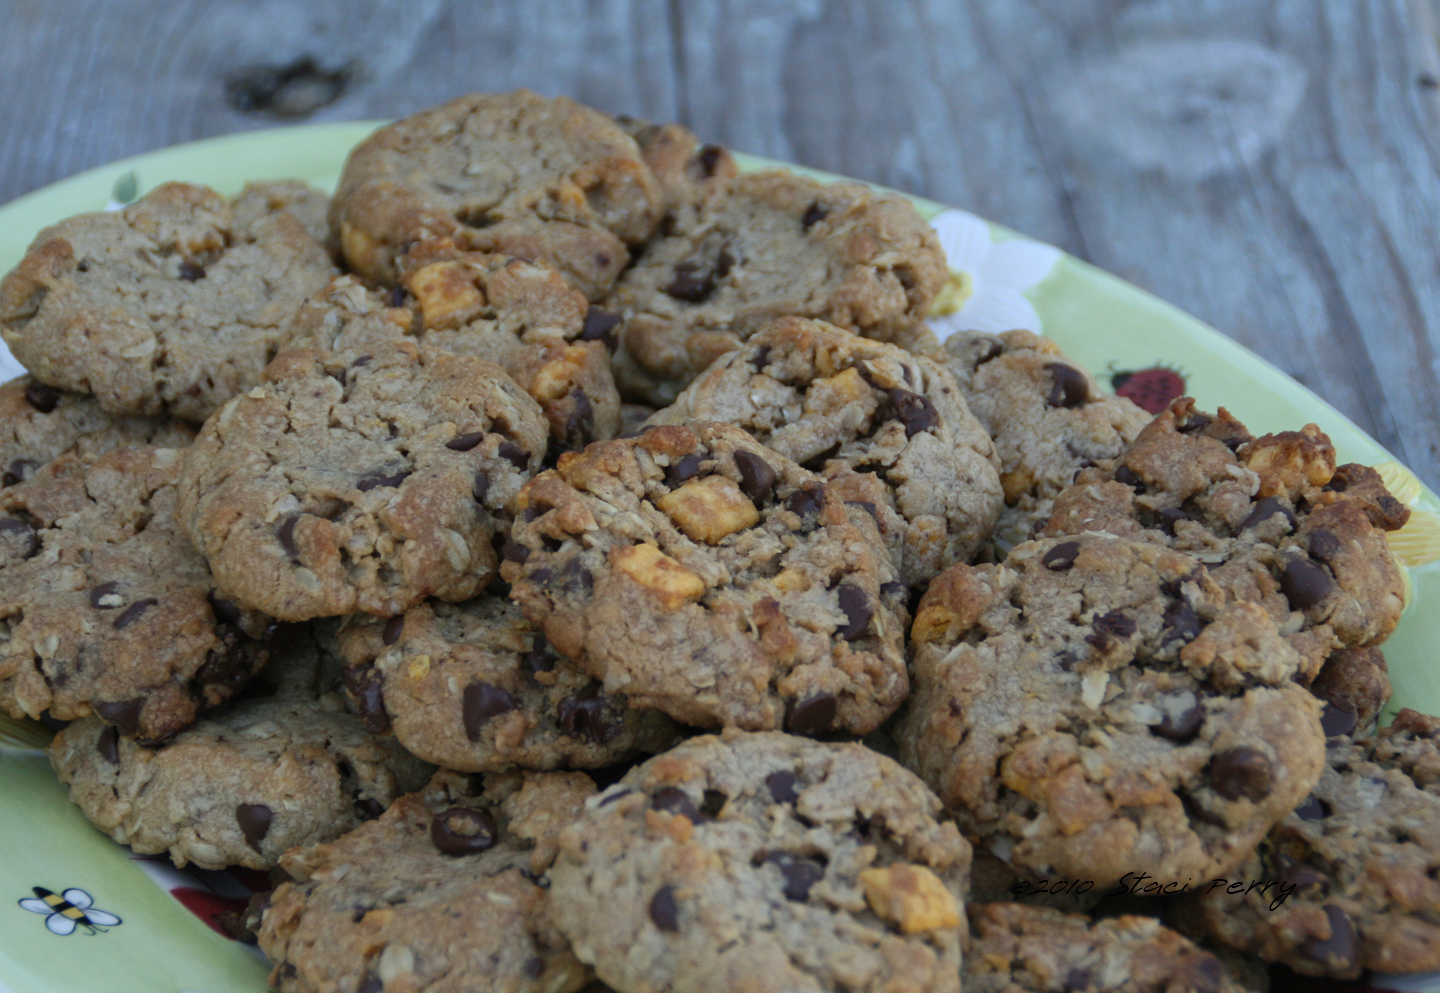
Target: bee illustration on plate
<point>64,912</point>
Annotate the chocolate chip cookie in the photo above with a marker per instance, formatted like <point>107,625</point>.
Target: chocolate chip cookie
<point>1047,416</point>
<point>284,766</point>
<point>688,172</point>
<point>1096,706</point>
<point>1016,948</point>
<point>365,474</point>
<point>1352,873</point>
<point>473,686</point>
<point>1274,519</point>
<point>700,573</point>
<point>440,894</point>
<point>883,427</point>
<point>771,244</point>
<point>171,305</point>
<point>513,173</point>
<point>106,606</point>
<point>764,862</point>
<point>527,318</point>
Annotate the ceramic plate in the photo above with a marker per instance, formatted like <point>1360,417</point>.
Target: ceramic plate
<point>152,929</point>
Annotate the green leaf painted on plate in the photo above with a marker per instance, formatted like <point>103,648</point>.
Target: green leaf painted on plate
<point>125,188</point>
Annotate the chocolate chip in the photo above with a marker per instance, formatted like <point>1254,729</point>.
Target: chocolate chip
<point>190,272</point>
<point>397,296</point>
<point>101,593</point>
<point>482,701</point>
<point>517,456</point>
<point>1242,771</point>
<point>1070,388</point>
<point>225,611</point>
<point>108,744</point>
<point>463,831</point>
<point>1169,517</point>
<point>894,589</point>
<point>1296,873</point>
<point>1126,475</point>
<point>684,468</point>
<point>1340,951</point>
<point>19,471</point>
<point>800,874</point>
<point>761,356</point>
<point>381,480</point>
<point>855,602</point>
<point>663,911</point>
<point>1180,621</point>
<point>1181,726</point>
<point>1305,583</point>
<point>580,422</point>
<point>42,397</point>
<point>709,157</point>
<point>806,502</point>
<point>394,627</point>
<point>465,442</point>
<point>366,684</point>
<point>757,478</point>
<point>481,489</point>
<point>1077,979</point>
<point>814,214</point>
<point>600,326</point>
<point>914,411</point>
<point>1324,545</point>
<point>1061,557</point>
<point>589,714</point>
<point>782,786</point>
<point>1312,808</point>
<point>228,669</point>
<point>1115,623</point>
<point>1195,423</point>
<point>811,716</point>
<point>286,534</point>
<point>132,613</point>
<point>693,282</point>
<point>538,659</point>
<point>672,800</point>
<point>28,540</point>
<point>1196,812</point>
<point>1266,509</point>
<point>514,551</point>
<point>1338,718</point>
<point>254,820</point>
<point>1066,661</point>
<point>369,807</point>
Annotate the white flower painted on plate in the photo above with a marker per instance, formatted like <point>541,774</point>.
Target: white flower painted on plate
<point>988,280</point>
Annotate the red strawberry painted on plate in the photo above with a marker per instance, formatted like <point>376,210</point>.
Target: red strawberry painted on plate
<point>222,913</point>
<point>1150,389</point>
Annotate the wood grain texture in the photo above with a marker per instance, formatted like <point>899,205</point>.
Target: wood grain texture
<point>1271,168</point>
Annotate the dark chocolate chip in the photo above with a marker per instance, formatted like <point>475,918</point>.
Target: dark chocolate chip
<point>514,551</point>
<point>369,807</point>
<point>1305,583</point>
<point>723,263</point>
<point>190,272</point>
<point>366,684</point>
<point>42,397</point>
<point>1266,509</point>
<point>481,489</point>
<point>482,701</point>
<point>709,157</point>
<point>1195,423</point>
<point>28,540</point>
<point>806,502</point>
<point>761,356</point>
<point>1339,952</point>
<point>132,613</point>
<point>254,820</point>
<point>663,911</point>
<point>1069,386</point>
<point>517,456</point>
<point>1077,979</point>
<point>589,714</point>
<point>102,591</point>
<point>757,477</point>
<point>1061,557</point>
<point>463,831</point>
<point>893,589</point>
<point>465,442</point>
<point>811,716</point>
<point>1126,475</point>
<point>684,468</point>
<point>866,506</point>
<point>1312,808</point>
<point>394,627</point>
<point>286,534</point>
<point>580,422</point>
<point>1180,621</point>
<point>397,296</point>
<point>1242,771</point>
<point>692,283</point>
<point>782,786</point>
<point>1116,623</point>
<point>108,745</point>
<point>1169,517</point>
<point>1324,545</point>
<point>225,611</point>
<point>228,669</point>
<point>800,874</point>
<point>858,610</point>
<point>814,214</point>
<point>382,480</point>
<point>1182,726</point>
<point>672,800</point>
<point>913,410</point>
<point>1066,661</point>
<point>19,471</point>
<point>600,326</point>
<point>538,659</point>
<point>1338,718</point>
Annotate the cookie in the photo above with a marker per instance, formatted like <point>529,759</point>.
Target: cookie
<point>1276,521</point>
<point>169,306</point>
<point>764,862</point>
<point>441,893</point>
<point>700,573</point>
<point>1351,873</point>
<point>527,318</point>
<point>1097,706</point>
<point>366,474</point>
<point>305,203</point>
<point>106,606</point>
<point>513,173</point>
<point>688,172</point>
<point>243,785</point>
<point>772,244</point>
<point>1047,416</point>
<point>885,428</point>
<point>473,686</point>
<point>1016,948</point>
<point>1355,685</point>
<point>39,422</point>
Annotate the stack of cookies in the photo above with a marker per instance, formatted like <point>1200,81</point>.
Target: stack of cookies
<point>562,560</point>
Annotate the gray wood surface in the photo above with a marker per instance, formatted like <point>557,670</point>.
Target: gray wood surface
<point>1270,167</point>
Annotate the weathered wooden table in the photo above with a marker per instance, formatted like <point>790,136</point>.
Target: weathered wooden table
<point>1273,168</point>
